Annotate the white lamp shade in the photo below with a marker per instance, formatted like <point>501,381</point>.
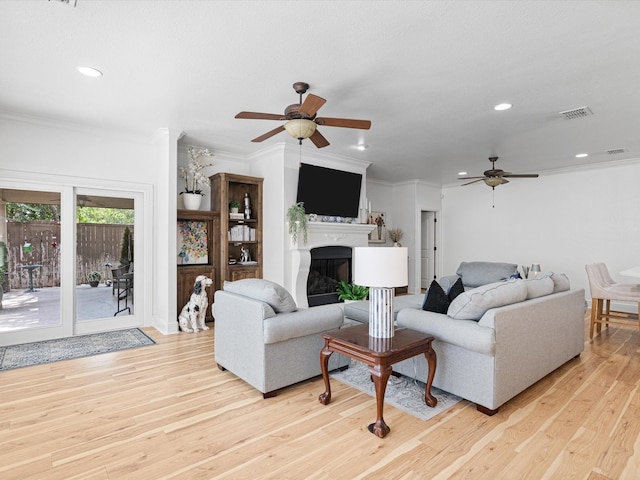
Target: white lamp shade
<point>380,266</point>
<point>300,128</point>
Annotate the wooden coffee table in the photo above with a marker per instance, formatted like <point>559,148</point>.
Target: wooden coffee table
<point>379,354</point>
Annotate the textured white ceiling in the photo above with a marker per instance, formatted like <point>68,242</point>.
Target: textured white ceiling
<point>426,73</point>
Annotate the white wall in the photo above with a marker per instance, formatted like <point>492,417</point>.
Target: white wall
<point>402,203</point>
<point>40,155</point>
<point>562,221</point>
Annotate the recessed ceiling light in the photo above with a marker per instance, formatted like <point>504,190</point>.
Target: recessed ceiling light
<point>462,173</point>
<point>503,106</point>
<point>362,147</point>
<point>90,71</point>
<point>582,155</point>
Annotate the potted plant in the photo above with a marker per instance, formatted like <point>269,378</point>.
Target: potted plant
<point>297,218</point>
<point>351,292</point>
<point>234,205</point>
<point>395,234</point>
<point>94,278</point>
<point>194,179</point>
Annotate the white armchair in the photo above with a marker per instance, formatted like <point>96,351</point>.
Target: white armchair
<point>262,338</point>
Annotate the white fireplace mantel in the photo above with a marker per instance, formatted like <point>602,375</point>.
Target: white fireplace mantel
<point>322,234</point>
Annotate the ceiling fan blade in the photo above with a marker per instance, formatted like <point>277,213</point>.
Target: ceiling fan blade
<point>344,122</point>
<point>470,178</point>
<point>260,116</point>
<point>318,140</point>
<point>311,105</point>
<point>469,183</point>
<point>521,175</point>
<point>269,134</point>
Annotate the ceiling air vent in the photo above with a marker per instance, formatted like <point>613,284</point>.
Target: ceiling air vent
<point>576,113</point>
<point>615,151</point>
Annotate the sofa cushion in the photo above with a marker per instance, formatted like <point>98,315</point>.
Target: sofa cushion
<point>309,321</point>
<point>472,304</point>
<point>264,290</point>
<point>538,287</point>
<point>560,282</point>
<point>360,310</point>
<point>475,274</point>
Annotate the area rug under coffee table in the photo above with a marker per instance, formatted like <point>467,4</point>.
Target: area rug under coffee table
<point>402,392</point>
<point>27,354</point>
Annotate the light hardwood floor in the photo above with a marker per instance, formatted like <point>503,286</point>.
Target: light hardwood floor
<point>166,411</point>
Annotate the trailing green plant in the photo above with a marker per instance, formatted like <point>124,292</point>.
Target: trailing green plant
<point>297,218</point>
<point>351,291</point>
<point>94,276</point>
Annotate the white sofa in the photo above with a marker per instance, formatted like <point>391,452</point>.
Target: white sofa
<point>261,337</point>
<point>491,359</point>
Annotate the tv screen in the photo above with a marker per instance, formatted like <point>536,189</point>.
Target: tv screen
<point>326,191</point>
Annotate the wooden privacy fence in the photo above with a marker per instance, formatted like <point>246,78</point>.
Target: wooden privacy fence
<point>97,248</point>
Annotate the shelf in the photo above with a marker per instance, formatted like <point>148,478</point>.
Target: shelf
<point>226,187</point>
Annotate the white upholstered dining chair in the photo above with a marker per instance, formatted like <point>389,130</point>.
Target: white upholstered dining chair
<point>604,289</point>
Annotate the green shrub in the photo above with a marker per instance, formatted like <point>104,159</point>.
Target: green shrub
<point>351,291</point>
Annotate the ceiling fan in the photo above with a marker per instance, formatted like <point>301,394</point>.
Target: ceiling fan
<point>301,120</point>
<point>495,177</point>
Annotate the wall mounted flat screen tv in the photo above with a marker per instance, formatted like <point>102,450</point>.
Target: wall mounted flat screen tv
<point>326,191</point>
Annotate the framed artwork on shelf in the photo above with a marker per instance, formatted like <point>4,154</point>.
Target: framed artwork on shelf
<point>193,241</point>
<point>378,234</point>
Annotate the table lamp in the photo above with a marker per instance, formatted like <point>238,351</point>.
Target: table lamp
<point>381,269</point>
<point>535,269</point>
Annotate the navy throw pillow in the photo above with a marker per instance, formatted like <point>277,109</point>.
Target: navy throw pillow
<point>436,300</point>
<point>455,290</point>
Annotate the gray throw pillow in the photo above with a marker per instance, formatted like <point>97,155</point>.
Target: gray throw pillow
<point>264,290</point>
<point>538,287</point>
<point>560,282</point>
<point>475,274</point>
<point>472,304</point>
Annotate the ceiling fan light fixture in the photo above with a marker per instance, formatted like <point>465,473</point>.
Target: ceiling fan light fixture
<point>300,128</point>
<point>582,155</point>
<point>493,181</point>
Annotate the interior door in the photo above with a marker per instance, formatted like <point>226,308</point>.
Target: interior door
<point>427,249</point>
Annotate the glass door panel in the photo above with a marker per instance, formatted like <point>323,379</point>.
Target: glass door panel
<point>30,259</point>
<point>104,276</point>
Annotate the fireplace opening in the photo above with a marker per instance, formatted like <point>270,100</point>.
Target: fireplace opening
<point>329,266</point>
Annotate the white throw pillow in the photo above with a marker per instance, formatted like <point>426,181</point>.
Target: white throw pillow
<point>472,304</point>
<point>265,291</point>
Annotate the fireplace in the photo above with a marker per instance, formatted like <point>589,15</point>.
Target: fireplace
<point>341,236</point>
<point>329,266</point>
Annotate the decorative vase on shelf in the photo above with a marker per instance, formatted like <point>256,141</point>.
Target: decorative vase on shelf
<point>191,201</point>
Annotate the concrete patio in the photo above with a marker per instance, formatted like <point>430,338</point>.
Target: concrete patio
<point>41,308</point>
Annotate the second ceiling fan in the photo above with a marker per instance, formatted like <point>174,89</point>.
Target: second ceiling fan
<point>301,121</point>
<point>495,176</point>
